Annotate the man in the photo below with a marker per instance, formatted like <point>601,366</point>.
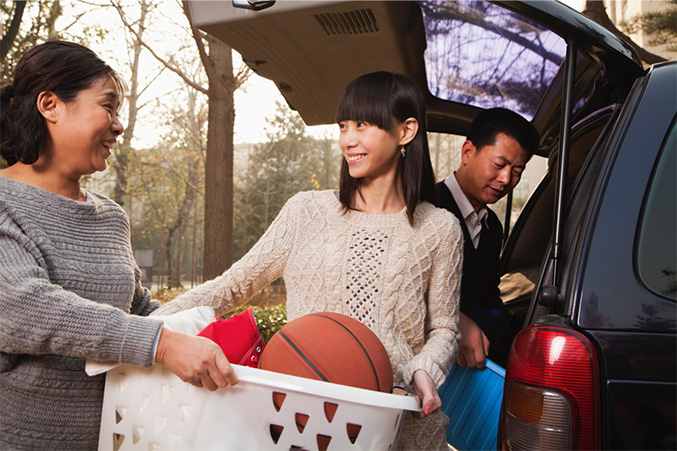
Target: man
<point>493,157</point>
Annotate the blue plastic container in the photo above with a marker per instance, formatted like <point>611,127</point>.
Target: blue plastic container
<point>471,398</point>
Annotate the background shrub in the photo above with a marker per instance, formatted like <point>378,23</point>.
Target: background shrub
<point>269,317</point>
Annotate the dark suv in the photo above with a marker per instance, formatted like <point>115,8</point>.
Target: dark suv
<point>591,261</point>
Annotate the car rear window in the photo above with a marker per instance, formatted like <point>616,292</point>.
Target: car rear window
<point>484,55</point>
<point>657,250</point>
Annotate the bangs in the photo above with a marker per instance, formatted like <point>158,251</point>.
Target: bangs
<point>367,100</point>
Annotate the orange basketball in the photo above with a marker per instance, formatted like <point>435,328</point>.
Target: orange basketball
<point>330,347</point>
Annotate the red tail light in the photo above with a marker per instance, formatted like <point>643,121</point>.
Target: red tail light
<point>551,398</point>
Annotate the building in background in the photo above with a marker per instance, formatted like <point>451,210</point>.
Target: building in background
<point>622,11</point>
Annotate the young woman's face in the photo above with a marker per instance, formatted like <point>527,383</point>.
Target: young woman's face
<point>86,129</point>
<point>370,152</point>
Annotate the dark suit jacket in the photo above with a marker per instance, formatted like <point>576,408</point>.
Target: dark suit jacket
<point>479,284</point>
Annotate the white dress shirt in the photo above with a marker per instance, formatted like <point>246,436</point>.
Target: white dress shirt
<point>473,220</point>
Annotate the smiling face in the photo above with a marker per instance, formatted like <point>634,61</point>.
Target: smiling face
<point>82,132</point>
<point>488,174</point>
<point>371,152</point>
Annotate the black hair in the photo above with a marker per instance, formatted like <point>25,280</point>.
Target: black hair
<point>489,123</point>
<point>385,99</point>
<point>64,68</point>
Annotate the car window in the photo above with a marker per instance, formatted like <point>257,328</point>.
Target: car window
<point>484,55</point>
<point>657,249</point>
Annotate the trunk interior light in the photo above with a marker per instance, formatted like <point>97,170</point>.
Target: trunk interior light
<point>551,391</point>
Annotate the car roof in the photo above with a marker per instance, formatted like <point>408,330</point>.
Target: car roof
<point>311,50</point>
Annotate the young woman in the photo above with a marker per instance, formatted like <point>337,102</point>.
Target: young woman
<point>69,287</point>
<point>376,250</point>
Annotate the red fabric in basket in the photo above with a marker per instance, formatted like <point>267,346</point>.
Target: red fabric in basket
<point>238,337</point>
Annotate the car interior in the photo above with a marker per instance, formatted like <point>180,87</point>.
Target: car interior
<point>526,255</point>
<point>465,56</point>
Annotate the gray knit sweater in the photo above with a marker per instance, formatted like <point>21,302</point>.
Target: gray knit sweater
<point>68,283</point>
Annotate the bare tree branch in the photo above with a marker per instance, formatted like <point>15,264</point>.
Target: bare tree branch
<point>164,62</point>
<point>152,80</point>
<point>243,72</point>
<point>198,36</point>
<point>13,30</point>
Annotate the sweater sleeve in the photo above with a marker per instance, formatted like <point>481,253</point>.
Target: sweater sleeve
<point>441,324</point>
<point>39,317</point>
<point>264,263</point>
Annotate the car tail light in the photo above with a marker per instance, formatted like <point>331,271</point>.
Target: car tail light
<point>551,398</point>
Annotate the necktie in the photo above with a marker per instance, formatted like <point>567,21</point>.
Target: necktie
<point>475,233</point>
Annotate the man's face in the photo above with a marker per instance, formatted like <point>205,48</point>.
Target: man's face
<point>491,172</point>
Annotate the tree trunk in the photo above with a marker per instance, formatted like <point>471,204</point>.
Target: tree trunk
<point>181,225</point>
<point>12,31</point>
<point>596,11</point>
<point>54,13</point>
<point>218,227</point>
<point>193,249</point>
<point>177,261</point>
<point>168,257</point>
<point>121,163</point>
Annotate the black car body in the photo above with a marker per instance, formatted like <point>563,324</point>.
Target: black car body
<point>590,345</point>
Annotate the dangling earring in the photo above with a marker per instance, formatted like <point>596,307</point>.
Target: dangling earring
<point>404,151</point>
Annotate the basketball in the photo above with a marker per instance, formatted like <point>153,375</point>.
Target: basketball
<point>330,347</point>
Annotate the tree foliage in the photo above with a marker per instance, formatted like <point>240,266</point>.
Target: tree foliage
<point>166,191</point>
<point>26,24</point>
<point>661,25</point>
<point>445,153</point>
<point>221,82</point>
<point>288,162</point>
<point>596,10</point>
<point>120,160</point>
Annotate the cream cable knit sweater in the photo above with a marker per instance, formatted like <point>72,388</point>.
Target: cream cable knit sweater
<point>401,281</point>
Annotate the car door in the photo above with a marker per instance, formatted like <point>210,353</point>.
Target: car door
<point>625,280</point>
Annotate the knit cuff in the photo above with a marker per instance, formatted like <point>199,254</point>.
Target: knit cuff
<point>167,309</point>
<point>425,363</point>
<point>131,339</point>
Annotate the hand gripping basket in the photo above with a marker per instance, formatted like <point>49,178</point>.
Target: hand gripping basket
<point>152,409</point>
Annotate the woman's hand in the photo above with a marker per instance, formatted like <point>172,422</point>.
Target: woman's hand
<point>196,360</point>
<point>425,390</point>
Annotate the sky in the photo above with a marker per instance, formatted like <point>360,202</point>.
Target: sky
<point>257,102</point>
<point>258,98</point>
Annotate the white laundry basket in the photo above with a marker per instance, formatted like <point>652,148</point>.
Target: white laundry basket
<point>152,409</point>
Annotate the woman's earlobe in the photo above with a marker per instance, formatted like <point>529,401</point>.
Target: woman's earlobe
<point>47,105</point>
